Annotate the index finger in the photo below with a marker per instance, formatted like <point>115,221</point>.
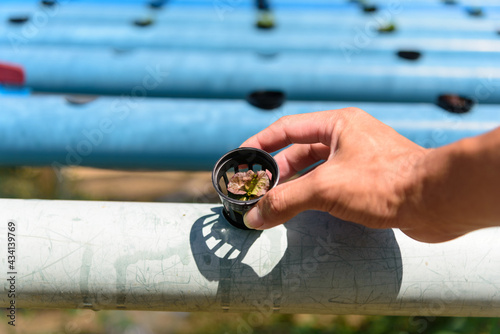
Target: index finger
<point>310,128</point>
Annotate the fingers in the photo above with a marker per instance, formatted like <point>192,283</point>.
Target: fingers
<point>282,203</point>
<point>316,135</point>
<point>298,157</point>
<point>301,129</point>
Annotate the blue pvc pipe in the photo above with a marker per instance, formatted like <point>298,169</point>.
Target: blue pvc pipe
<point>176,134</point>
<point>359,44</point>
<point>234,75</point>
<point>279,4</point>
<point>228,36</point>
<point>238,36</point>
<point>240,15</point>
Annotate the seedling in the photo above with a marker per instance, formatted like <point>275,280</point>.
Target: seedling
<point>245,186</point>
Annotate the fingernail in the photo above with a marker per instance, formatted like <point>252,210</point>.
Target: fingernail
<point>253,219</point>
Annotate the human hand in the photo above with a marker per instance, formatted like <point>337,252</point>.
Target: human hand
<point>371,175</point>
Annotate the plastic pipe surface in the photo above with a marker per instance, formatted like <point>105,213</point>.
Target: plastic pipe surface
<point>288,36</point>
<point>433,7</point>
<point>186,257</point>
<point>219,75</point>
<point>80,16</point>
<point>183,134</point>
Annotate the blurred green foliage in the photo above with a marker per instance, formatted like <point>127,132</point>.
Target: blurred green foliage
<point>21,182</point>
<point>41,183</point>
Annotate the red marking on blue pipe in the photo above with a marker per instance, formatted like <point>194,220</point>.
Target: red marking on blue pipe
<point>11,74</point>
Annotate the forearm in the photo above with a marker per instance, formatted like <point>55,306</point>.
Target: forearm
<point>458,186</point>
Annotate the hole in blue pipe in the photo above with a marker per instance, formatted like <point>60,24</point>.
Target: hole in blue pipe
<point>262,4</point>
<point>156,4</point>
<point>266,99</point>
<point>409,55</point>
<point>387,28</point>
<point>80,99</point>
<point>367,8</point>
<point>265,20</point>
<point>121,50</point>
<point>455,103</point>
<point>475,11</point>
<point>143,22</point>
<point>19,19</point>
<point>48,3</point>
<point>267,55</point>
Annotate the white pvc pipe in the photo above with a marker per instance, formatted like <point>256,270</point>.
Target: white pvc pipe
<point>186,257</point>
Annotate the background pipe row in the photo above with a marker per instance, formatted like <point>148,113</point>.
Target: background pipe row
<point>184,134</point>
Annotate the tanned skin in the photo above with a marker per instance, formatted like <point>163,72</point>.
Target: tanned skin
<point>373,176</point>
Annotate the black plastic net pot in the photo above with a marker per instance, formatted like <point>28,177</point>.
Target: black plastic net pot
<point>241,160</point>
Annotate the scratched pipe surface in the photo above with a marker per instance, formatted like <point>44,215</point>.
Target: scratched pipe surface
<point>186,257</point>
<point>187,134</point>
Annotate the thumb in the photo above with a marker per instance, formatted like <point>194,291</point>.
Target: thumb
<point>282,203</point>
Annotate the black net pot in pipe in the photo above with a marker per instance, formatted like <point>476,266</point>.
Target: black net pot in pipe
<point>241,160</point>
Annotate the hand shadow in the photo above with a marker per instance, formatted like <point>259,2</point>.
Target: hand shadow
<point>314,262</point>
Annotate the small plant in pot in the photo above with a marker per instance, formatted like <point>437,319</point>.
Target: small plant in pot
<point>245,186</point>
<point>241,177</point>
